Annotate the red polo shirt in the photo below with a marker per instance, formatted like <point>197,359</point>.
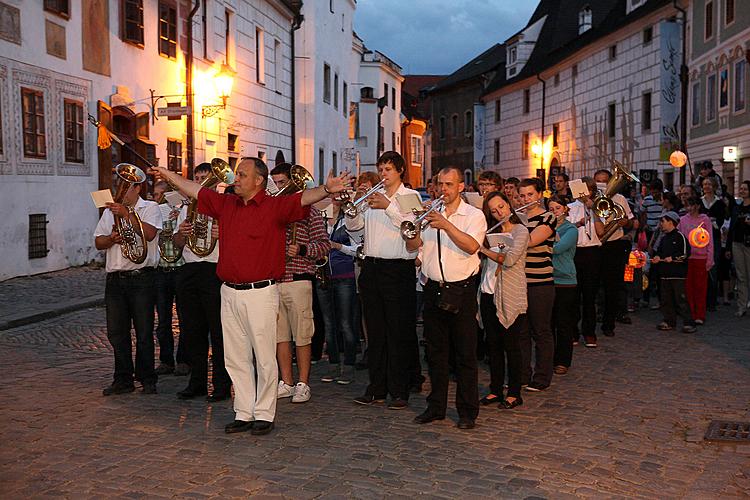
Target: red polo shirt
<point>252,236</point>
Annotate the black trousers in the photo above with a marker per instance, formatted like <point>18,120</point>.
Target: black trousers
<point>200,295</point>
<point>166,295</point>
<point>539,314</point>
<point>673,301</point>
<point>502,342</point>
<point>130,301</point>
<point>614,257</point>
<point>389,303</point>
<point>564,324</point>
<point>445,331</point>
<point>588,265</point>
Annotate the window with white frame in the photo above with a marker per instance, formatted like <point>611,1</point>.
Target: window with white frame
<point>708,20</point>
<point>345,99</point>
<point>585,18</point>
<point>512,55</point>
<point>739,85</point>
<point>696,98</point>
<point>728,12</point>
<point>278,65</point>
<point>335,91</point>
<point>73,114</point>
<point>416,150</point>
<point>34,130</point>
<point>326,83</point>
<point>711,98</point>
<point>260,56</point>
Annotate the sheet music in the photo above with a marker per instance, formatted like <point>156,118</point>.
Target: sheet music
<point>101,198</point>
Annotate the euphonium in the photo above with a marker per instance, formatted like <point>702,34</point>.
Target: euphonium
<point>299,180</point>
<point>603,204</point>
<point>409,229</point>
<point>133,246</point>
<point>200,241</point>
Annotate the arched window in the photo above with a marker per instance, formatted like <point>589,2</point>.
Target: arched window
<point>468,123</point>
<point>584,20</point>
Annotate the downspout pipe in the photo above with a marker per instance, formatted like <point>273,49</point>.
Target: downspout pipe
<point>296,24</point>
<point>189,92</point>
<point>684,91</point>
<point>544,110</point>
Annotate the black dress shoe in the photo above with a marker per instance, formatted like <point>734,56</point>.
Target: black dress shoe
<point>489,399</point>
<point>428,416</point>
<point>466,423</point>
<point>149,388</point>
<point>190,393</point>
<point>509,405</point>
<point>118,389</point>
<point>217,396</point>
<point>261,427</point>
<point>238,426</point>
<point>625,320</point>
<point>369,400</point>
<point>608,333</point>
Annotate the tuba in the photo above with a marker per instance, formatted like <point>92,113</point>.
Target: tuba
<point>133,246</point>
<point>200,241</point>
<point>605,207</point>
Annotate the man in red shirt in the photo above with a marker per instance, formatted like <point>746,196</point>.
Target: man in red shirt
<point>251,259</point>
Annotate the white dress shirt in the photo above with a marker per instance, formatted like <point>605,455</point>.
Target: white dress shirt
<point>187,253</point>
<point>382,229</point>
<point>587,236</point>
<point>457,264</point>
<point>150,213</point>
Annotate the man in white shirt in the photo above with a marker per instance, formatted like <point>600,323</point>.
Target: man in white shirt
<point>615,252</point>
<point>130,292</point>
<point>199,289</point>
<point>587,260</point>
<point>451,264</point>
<point>387,288</point>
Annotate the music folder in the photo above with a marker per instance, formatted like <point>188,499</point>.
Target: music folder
<point>500,240</point>
<point>101,198</point>
<point>409,202</point>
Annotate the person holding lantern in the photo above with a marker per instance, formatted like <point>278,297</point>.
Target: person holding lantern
<point>697,228</point>
<point>672,255</point>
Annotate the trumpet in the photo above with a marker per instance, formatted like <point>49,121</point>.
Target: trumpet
<point>134,246</point>
<point>351,209</point>
<point>299,180</point>
<point>409,229</point>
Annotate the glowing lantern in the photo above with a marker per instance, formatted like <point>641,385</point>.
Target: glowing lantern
<point>637,259</point>
<point>547,193</point>
<point>699,237</point>
<point>678,159</point>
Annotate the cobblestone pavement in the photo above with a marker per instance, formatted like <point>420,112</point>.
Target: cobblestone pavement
<point>28,295</point>
<point>627,421</point>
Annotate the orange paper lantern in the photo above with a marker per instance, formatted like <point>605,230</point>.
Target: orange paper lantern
<point>637,259</point>
<point>678,159</point>
<point>699,237</point>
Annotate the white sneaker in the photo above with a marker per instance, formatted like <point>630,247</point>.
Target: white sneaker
<point>285,390</point>
<point>301,393</point>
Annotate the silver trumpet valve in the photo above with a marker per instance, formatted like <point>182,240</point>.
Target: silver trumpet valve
<point>351,208</point>
<point>409,229</point>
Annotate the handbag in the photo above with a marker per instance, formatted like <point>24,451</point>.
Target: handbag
<point>449,295</point>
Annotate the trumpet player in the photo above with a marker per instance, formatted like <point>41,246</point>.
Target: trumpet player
<point>199,291</point>
<point>615,251</point>
<point>306,242</point>
<point>587,260</point>
<point>386,284</point>
<point>450,261</point>
<point>130,292</point>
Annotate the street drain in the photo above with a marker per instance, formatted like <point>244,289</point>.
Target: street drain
<point>734,432</point>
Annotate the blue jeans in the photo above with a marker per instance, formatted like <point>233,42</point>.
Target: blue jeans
<point>130,299</point>
<point>338,303</point>
<point>166,295</point>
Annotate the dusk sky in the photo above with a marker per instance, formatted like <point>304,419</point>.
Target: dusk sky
<point>438,36</point>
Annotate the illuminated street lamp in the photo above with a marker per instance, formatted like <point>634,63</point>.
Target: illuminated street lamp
<point>223,81</point>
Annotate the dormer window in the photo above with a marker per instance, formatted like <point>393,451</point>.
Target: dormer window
<point>584,20</point>
<point>512,55</point>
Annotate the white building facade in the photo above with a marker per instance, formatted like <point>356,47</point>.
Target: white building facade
<point>615,97</point>
<point>64,60</point>
<point>327,75</point>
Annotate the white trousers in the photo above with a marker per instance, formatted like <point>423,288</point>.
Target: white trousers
<point>248,320</point>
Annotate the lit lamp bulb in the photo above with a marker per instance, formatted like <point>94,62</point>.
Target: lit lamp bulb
<point>678,159</point>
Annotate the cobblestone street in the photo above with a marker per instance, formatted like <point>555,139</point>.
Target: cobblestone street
<point>627,421</point>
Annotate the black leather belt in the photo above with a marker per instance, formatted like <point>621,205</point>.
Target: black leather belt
<point>378,259</point>
<point>255,285</point>
<point>130,274</point>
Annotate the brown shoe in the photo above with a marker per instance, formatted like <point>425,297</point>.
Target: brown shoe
<point>561,370</point>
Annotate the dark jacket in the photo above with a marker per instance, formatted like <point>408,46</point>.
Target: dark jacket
<point>675,245</point>
<point>341,265</point>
